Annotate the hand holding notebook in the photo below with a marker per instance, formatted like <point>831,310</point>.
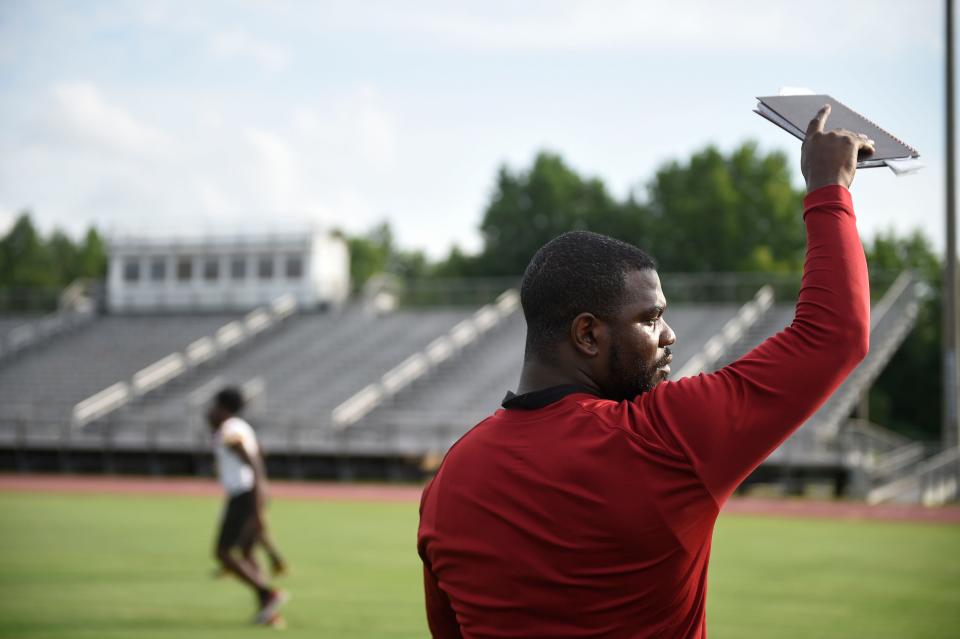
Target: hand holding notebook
<point>830,157</point>
<point>793,112</point>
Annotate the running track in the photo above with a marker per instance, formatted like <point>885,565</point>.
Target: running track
<point>411,494</point>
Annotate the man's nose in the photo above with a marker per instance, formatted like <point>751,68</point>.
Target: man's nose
<point>667,336</point>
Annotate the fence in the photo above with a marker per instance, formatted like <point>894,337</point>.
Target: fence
<point>678,287</point>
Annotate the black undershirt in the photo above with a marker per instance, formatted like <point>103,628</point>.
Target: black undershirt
<point>544,397</point>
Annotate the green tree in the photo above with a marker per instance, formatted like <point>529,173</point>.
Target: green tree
<point>409,264</point>
<point>529,208</point>
<point>717,212</point>
<point>376,251</point>
<point>369,254</point>
<point>91,260</point>
<point>456,264</point>
<point>25,259</point>
<point>64,254</point>
<point>34,268</point>
<point>890,252</point>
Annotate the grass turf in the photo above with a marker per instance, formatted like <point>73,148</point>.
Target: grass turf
<point>123,566</point>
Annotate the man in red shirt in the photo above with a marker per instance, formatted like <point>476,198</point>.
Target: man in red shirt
<point>585,507</point>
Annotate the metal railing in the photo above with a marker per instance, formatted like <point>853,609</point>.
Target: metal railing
<point>888,330</point>
<point>40,330</point>
<point>160,373</point>
<point>748,315</point>
<point>933,483</point>
<point>419,364</point>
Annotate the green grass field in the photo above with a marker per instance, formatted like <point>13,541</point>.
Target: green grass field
<point>107,567</point>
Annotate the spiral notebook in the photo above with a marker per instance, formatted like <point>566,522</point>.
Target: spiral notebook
<point>793,113</point>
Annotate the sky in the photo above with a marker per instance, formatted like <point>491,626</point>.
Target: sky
<point>202,118</point>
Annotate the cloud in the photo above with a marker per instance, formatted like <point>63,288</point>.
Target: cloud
<point>81,115</point>
<point>6,220</point>
<point>153,140</point>
<point>319,164</point>
<point>356,125</point>
<point>278,168</point>
<point>238,44</point>
<point>220,171</point>
<point>692,24</point>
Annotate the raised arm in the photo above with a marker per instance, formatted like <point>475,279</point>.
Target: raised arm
<point>727,422</point>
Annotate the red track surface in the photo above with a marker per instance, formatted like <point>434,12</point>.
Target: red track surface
<point>411,494</point>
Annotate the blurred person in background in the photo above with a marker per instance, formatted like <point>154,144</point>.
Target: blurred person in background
<point>242,474</point>
<point>585,507</point>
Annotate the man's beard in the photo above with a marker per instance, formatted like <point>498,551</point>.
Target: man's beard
<point>631,379</point>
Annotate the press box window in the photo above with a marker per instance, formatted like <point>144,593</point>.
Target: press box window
<point>265,268</point>
<point>131,270</point>
<point>294,267</point>
<point>158,269</point>
<point>185,269</point>
<point>238,268</point>
<point>211,269</point>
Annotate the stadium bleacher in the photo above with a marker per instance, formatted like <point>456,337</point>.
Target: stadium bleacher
<point>19,333</point>
<point>307,367</point>
<point>44,385</point>
<point>9,322</point>
<point>443,406</point>
<point>817,444</point>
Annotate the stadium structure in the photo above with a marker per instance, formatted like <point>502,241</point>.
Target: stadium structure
<point>356,388</point>
<point>226,273</point>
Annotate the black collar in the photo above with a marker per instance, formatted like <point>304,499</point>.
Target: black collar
<point>544,397</point>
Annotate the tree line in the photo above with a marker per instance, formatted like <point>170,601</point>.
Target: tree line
<point>34,268</point>
<point>715,212</point>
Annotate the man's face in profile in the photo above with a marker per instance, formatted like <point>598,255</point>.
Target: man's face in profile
<point>639,357</point>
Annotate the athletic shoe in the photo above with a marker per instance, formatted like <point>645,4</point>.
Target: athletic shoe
<point>277,622</point>
<point>271,608</point>
<point>279,569</point>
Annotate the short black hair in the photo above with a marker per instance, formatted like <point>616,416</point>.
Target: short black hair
<point>230,399</point>
<point>577,272</point>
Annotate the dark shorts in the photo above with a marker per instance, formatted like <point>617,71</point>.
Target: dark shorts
<point>238,520</point>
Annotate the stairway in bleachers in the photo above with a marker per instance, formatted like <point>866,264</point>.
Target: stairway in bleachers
<point>817,442</point>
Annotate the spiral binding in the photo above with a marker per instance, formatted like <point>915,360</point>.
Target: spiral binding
<point>913,151</point>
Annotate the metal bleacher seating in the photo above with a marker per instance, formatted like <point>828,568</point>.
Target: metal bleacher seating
<point>306,368</point>
<point>18,333</point>
<point>10,327</point>
<point>819,441</point>
<point>10,322</point>
<point>42,388</point>
<point>351,383</point>
<point>436,410</point>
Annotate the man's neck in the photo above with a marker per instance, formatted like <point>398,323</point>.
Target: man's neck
<point>537,375</point>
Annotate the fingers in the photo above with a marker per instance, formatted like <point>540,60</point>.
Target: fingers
<point>861,141</point>
<point>865,143</point>
<point>819,120</point>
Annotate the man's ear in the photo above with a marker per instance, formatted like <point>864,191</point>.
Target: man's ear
<point>588,334</point>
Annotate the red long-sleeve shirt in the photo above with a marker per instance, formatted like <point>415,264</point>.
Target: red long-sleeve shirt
<point>592,518</point>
